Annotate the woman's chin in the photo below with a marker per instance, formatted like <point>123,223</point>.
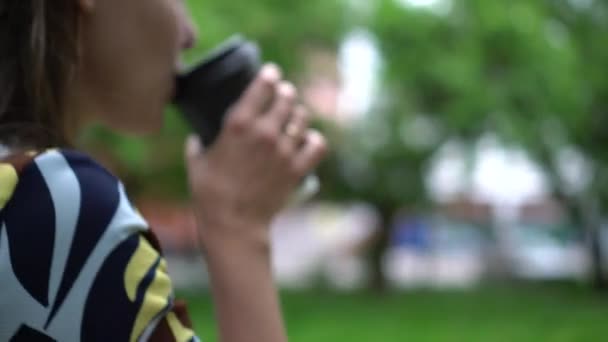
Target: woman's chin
<point>139,126</point>
<point>146,128</point>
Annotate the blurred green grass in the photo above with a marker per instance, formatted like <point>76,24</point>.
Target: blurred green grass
<point>495,315</point>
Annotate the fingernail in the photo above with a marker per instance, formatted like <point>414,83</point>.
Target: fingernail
<point>287,89</point>
<point>271,72</point>
<point>193,145</point>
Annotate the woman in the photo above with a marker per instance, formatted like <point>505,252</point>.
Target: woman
<point>77,262</point>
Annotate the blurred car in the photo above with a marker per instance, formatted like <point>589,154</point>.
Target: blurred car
<point>539,252</point>
<point>436,254</point>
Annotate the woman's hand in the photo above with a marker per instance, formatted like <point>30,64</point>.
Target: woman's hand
<point>238,185</point>
<point>262,154</point>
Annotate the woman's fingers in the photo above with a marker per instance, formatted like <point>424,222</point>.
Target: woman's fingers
<point>268,112</point>
<point>294,131</point>
<point>281,109</point>
<point>260,93</point>
<point>310,154</point>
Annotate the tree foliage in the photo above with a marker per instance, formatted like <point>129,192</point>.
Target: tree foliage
<point>534,72</point>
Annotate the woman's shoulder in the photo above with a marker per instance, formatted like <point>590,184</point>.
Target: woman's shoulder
<point>34,173</point>
<point>90,245</point>
<point>50,162</point>
<point>56,161</point>
<point>57,182</point>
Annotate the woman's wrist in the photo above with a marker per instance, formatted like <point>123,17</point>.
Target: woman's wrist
<point>227,233</point>
<point>238,257</point>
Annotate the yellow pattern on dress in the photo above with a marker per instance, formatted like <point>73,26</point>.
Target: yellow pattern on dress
<point>181,333</point>
<point>8,183</point>
<point>158,292</point>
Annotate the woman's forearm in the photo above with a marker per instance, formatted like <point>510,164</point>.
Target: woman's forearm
<point>246,300</point>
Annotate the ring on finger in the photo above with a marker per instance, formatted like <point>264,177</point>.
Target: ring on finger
<point>293,130</point>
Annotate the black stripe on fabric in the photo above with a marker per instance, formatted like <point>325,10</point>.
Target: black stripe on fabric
<point>109,315</point>
<point>28,334</point>
<point>145,282</point>
<point>99,201</point>
<point>30,225</point>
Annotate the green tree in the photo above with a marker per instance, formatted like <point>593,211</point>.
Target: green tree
<point>534,72</point>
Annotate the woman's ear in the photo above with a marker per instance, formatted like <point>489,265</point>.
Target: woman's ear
<point>86,6</point>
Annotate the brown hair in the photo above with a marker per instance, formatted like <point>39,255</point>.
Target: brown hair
<point>37,54</point>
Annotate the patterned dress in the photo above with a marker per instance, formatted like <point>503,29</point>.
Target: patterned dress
<point>77,261</point>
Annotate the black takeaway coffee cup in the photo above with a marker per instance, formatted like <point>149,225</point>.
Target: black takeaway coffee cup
<point>205,92</point>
